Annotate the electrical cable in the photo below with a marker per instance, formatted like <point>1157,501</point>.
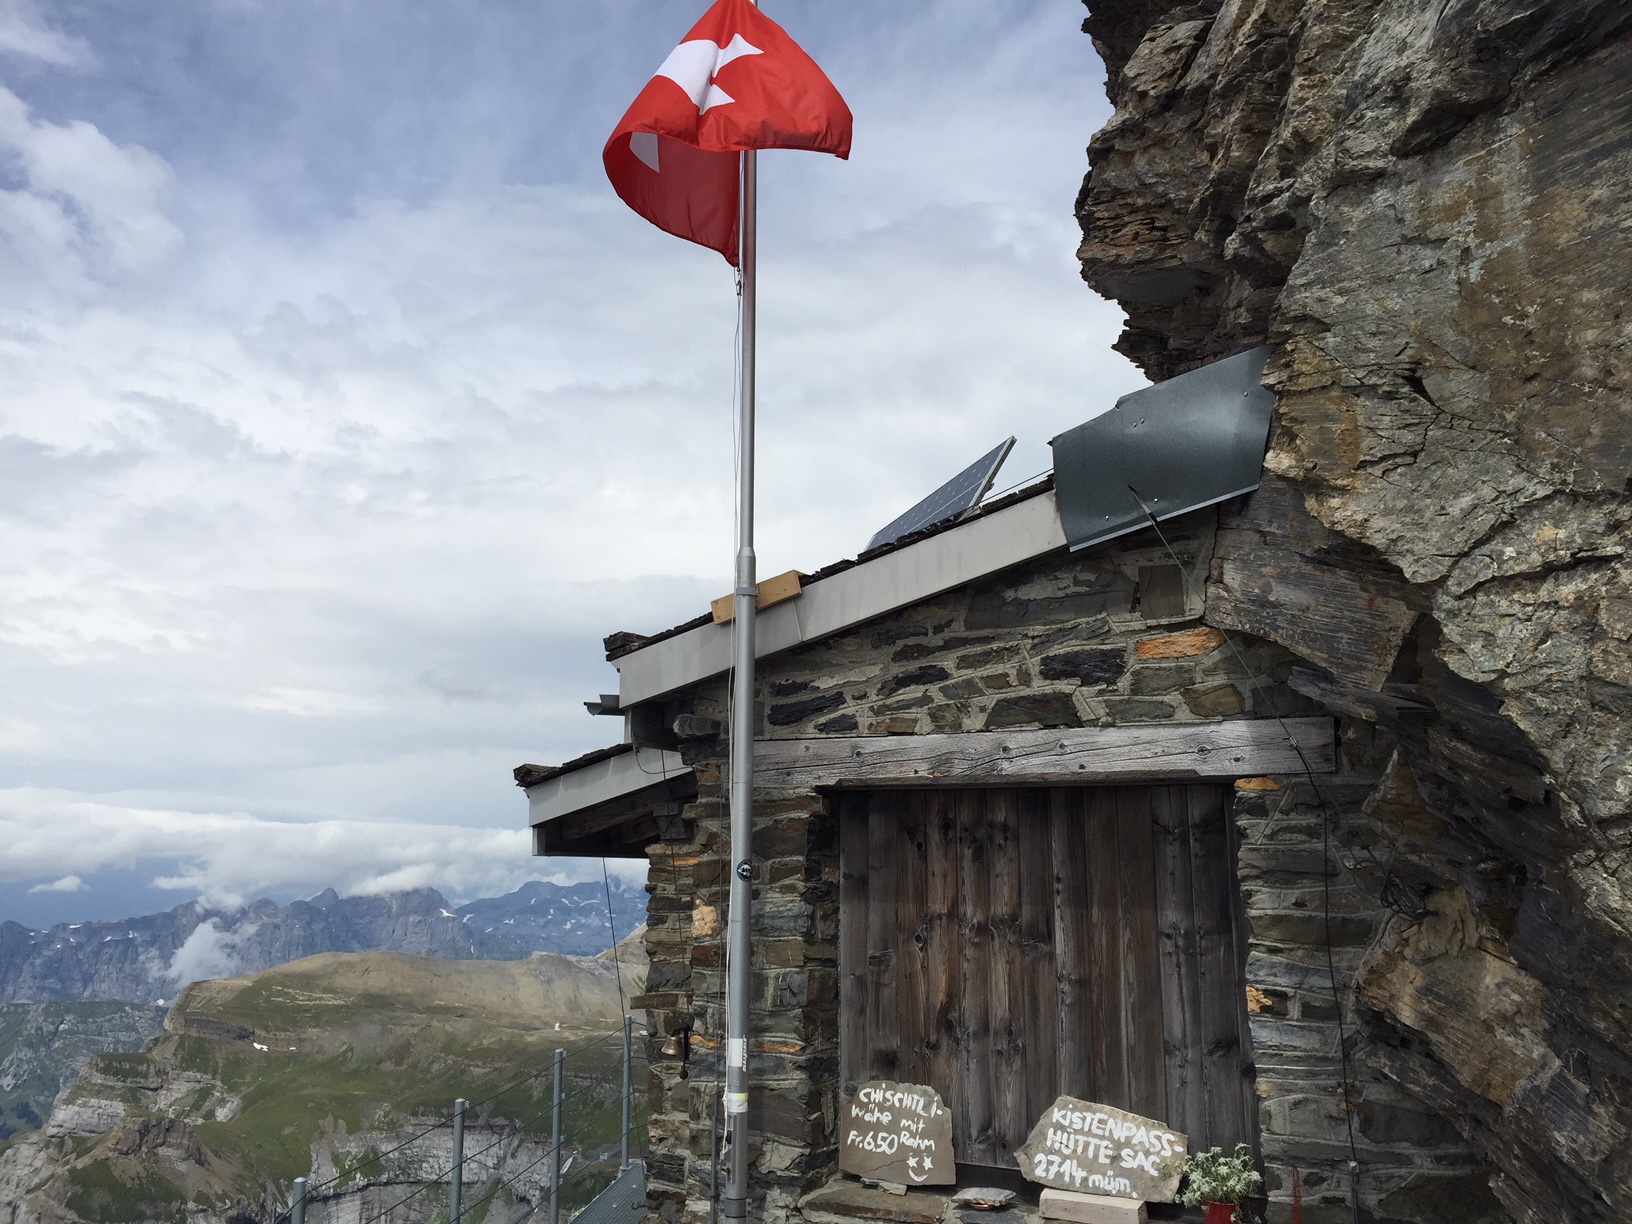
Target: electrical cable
<point>1325,843</point>
<point>512,1086</point>
<point>612,926</point>
<point>379,1156</point>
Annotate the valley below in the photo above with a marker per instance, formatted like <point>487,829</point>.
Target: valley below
<point>341,1067</point>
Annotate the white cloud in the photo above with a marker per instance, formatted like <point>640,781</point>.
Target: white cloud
<point>23,33</point>
<point>228,858</point>
<point>67,884</point>
<point>315,519</point>
<point>85,199</point>
<point>208,952</point>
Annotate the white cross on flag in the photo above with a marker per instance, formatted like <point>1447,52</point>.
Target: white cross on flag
<point>737,82</point>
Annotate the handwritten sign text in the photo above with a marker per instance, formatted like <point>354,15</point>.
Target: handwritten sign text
<point>898,1132</point>
<point>1095,1149</point>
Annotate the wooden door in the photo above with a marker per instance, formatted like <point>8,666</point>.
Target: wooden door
<point>1006,946</point>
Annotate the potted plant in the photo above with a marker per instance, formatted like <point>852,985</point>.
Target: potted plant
<point>1222,1182</point>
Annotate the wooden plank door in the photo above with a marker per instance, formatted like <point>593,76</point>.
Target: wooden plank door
<point>1006,946</point>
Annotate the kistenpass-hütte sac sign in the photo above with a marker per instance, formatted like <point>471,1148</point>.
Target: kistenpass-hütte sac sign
<point>899,1133</point>
<point>1095,1149</point>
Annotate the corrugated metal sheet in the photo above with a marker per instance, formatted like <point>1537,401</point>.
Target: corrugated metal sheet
<point>623,1202</point>
<point>1182,444</point>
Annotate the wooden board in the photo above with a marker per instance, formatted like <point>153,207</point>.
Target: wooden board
<point>854,907</point>
<point>1202,951</point>
<point>1097,1149</point>
<point>1141,965</point>
<point>1243,748</point>
<point>771,592</point>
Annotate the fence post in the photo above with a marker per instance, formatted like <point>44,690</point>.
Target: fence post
<point>456,1178</point>
<point>628,1086</point>
<point>297,1202</point>
<point>555,1145</point>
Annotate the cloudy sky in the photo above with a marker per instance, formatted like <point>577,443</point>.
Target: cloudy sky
<point>344,408</point>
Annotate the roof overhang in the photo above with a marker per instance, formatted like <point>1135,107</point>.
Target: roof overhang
<point>612,806</point>
<point>971,550</point>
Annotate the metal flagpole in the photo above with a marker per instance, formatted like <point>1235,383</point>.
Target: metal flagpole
<point>746,591</point>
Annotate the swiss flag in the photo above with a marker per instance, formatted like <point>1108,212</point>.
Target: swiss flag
<point>737,82</point>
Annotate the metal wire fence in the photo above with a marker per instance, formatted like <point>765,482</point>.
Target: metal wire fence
<point>632,1141</point>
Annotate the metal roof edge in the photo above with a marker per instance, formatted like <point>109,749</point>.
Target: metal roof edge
<point>974,548</point>
<point>600,780</point>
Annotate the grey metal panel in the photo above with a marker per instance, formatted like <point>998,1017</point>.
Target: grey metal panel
<point>1182,444</point>
<point>954,497</point>
<point>623,1202</point>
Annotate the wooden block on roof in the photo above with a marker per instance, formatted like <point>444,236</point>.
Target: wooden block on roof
<point>771,592</point>
<point>1090,1208</point>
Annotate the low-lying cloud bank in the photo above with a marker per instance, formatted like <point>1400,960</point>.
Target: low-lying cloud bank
<point>226,859</point>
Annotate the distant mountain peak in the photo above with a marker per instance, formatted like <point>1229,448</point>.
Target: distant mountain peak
<point>154,955</point>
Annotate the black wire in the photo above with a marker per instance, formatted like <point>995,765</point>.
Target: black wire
<point>493,1096</point>
<point>1325,844</point>
<point>612,926</point>
<point>508,1178</point>
<point>520,1127</point>
<point>379,1156</point>
<point>518,1132</point>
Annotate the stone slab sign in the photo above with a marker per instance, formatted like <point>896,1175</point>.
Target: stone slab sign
<point>898,1132</point>
<point>1095,1149</point>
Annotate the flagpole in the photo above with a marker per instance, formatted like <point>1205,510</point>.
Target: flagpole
<point>738,945</point>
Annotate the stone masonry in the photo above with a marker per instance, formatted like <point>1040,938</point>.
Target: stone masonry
<point>1109,636</point>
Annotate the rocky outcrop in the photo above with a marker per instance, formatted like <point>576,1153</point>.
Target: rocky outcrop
<point>1427,209</point>
<point>44,1045</point>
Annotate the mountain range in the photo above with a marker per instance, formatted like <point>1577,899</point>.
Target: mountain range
<point>149,959</point>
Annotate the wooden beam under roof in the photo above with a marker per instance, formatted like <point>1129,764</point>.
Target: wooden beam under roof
<point>1142,753</point>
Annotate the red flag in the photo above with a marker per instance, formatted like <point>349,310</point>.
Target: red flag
<point>736,82</point>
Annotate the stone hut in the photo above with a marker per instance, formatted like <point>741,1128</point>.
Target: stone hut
<point>1033,820</point>
<point>1425,212</point>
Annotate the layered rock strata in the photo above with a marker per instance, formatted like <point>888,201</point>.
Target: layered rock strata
<point>1426,210</point>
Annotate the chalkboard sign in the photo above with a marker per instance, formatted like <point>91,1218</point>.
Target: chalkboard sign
<point>899,1133</point>
<point>1094,1149</point>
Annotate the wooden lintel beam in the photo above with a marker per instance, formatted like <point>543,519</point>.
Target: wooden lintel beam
<point>1149,752</point>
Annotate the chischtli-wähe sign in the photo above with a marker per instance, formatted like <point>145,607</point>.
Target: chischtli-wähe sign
<point>1095,1149</point>
<point>899,1133</point>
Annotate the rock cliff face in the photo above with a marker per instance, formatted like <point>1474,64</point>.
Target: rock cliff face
<point>1427,209</point>
<point>44,1045</point>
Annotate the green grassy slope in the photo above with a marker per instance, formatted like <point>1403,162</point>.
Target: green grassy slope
<point>316,1067</point>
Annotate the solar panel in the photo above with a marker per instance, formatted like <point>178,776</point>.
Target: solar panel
<point>960,493</point>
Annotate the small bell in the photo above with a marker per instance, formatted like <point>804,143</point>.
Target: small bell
<point>671,1047</point>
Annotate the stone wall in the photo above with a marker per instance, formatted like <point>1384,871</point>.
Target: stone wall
<point>1428,210</point>
<point>1109,636</point>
